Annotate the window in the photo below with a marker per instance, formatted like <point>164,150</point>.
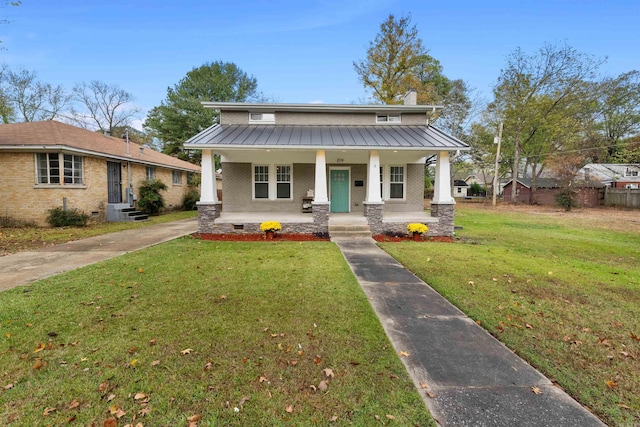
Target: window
<point>630,172</point>
<point>177,177</point>
<point>381,181</point>
<point>261,182</point>
<point>283,182</point>
<point>151,173</point>
<point>396,182</point>
<point>384,118</point>
<point>262,118</point>
<point>272,182</point>
<point>60,169</point>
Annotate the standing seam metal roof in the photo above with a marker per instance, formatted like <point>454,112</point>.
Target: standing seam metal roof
<point>249,136</point>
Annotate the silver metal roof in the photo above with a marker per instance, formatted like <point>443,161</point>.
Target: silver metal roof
<point>325,137</point>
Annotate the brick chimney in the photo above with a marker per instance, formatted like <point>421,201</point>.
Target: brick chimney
<point>411,98</point>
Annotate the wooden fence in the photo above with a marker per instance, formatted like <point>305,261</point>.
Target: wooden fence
<point>627,197</point>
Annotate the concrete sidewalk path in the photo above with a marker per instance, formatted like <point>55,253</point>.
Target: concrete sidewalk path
<point>26,267</point>
<point>475,380</point>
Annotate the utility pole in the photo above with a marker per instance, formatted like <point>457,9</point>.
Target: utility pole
<point>495,175</point>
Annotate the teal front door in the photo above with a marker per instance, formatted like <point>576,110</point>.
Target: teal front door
<point>339,190</point>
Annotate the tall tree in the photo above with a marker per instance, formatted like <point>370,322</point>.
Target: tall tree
<point>534,89</point>
<point>27,99</point>
<point>397,61</point>
<point>103,106</point>
<point>181,115</point>
<point>458,106</point>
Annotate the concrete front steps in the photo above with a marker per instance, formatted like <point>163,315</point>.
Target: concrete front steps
<point>122,212</point>
<point>348,226</point>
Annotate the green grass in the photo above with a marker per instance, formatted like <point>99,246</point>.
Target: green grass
<point>201,328</point>
<point>562,292</point>
<point>16,239</point>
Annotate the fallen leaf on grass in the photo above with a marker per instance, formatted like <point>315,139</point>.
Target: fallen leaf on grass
<point>103,387</point>
<point>111,397</point>
<point>144,411</point>
<point>430,394</point>
<point>110,422</point>
<point>244,400</point>
<point>155,363</point>
<point>391,417</point>
<point>39,363</point>
<point>317,360</point>
<point>8,386</point>
<point>623,406</point>
<point>536,390</point>
<point>208,366</point>
<point>139,396</point>
<point>634,336</point>
<point>153,342</point>
<point>323,386</point>
<point>186,351</point>
<point>47,411</point>
<point>611,384</point>
<point>328,372</point>
<point>528,326</point>
<point>39,348</point>
<point>262,379</point>
<point>289,409</point>
<point>74,404</point>
<point>194,418</point>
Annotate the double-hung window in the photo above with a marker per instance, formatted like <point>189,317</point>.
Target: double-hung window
<point>60,169</point>
<point>272,182</point>
<point>151,173</point>
<point>177,177</point>
<point>396,182</point>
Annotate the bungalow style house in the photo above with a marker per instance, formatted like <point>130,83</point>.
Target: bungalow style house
<point>44,165</point>
<point>310,166</point>
<point>611,175</point>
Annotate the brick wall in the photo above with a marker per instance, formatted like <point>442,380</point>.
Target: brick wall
<point>414,192</point>
<point>21,198</point>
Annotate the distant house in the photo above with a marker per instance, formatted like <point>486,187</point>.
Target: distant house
<point>546,191</point>
<point>44,165</point>
<point>308,164</point>
<point>460,188</point>
<point>611,175</point>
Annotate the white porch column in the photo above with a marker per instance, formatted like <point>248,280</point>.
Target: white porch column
<point>442,185</point>
<point>320,190</point>
<point>208,191</point>
<point>373,178</point>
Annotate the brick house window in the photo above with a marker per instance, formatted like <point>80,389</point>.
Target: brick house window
<point>60,169</point>
<point>177,177</point>
<point>261,182</point>
<point>272,182</point>
<point>151,173</point>
<point>396,182</point>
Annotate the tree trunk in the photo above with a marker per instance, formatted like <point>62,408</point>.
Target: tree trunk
<point>514,171</point>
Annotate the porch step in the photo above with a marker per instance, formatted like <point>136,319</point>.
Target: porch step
<point>349,230</point>
<point>122,212</point>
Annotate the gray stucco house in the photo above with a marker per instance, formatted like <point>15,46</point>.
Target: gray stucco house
<point>308,165</point>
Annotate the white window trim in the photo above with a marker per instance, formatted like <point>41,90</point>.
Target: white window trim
<point>386,182</point>
<point>272,183</point>
<point>388,119</point>
<point>61,171</point>
<point>265,118</point>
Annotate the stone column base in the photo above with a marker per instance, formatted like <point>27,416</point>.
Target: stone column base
<point>444,212</point>
<point>320,212</point>
<point>207,214</point>
<point>373,211</point>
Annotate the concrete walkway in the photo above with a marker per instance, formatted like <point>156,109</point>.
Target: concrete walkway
<point>474,379</point>
<point>26,267</point>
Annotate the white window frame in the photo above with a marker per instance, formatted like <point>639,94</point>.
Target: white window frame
<point>388,119</point>
<point>262,118</point>
<point>150,173</point>
<point>176,177</point>
<point>272,182</point>
<point>630,172</point>
<point>76,173</point>
<point>386,182</point>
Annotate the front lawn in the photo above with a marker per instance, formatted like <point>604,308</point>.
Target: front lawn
<point>202,332</point>
<point>560,289</point>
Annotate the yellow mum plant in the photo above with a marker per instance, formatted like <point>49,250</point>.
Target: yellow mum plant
<point>270,226</point>
<point>417,228</point>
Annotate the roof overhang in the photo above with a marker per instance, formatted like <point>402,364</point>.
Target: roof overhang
<point>321,108</point>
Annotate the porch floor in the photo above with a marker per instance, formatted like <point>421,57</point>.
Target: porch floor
<point>352,218</point>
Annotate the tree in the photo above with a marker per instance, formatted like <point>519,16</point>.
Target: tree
<point>534,97</point>
<point>397,62</point>
<point>105,106</point>
<point>457,108</point>
<point>618,109</point>
<point>181,115</point>
<point>26,99</point>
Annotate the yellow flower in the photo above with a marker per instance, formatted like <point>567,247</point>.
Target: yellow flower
<point>270,226</point>
<point>417,228</point>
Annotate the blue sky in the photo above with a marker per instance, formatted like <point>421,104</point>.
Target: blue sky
<point>300,51</point>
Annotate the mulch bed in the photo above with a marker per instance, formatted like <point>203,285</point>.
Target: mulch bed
<point>293,237</point>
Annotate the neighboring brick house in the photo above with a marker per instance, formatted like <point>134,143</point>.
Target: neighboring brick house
<point>44,165</point>
<point>613,175</point>
<point>304,164</point>
<point>548,188</point>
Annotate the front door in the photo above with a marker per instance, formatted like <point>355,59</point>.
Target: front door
<point>339,181</point>
<point>114,182</point>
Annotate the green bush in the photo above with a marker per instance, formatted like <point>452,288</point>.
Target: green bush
<point>566,199</point>
<point>58,217</point>
<point>151,201</point>
<point>190,200</point>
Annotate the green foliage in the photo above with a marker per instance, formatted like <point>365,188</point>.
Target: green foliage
<point>181,115</point>
<point>151,201</point>
<point>476,189</point>
<point>566,199</point>
<point>397,62</point>
<point>58,217</point>
<point>190,200</point>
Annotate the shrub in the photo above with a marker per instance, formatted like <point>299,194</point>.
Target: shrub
<point>416,227</point>
<point>58,217</point>
<point>151,201</point>
<point>566,199</point>
<point>190,200</point>
<point>270,226</point>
